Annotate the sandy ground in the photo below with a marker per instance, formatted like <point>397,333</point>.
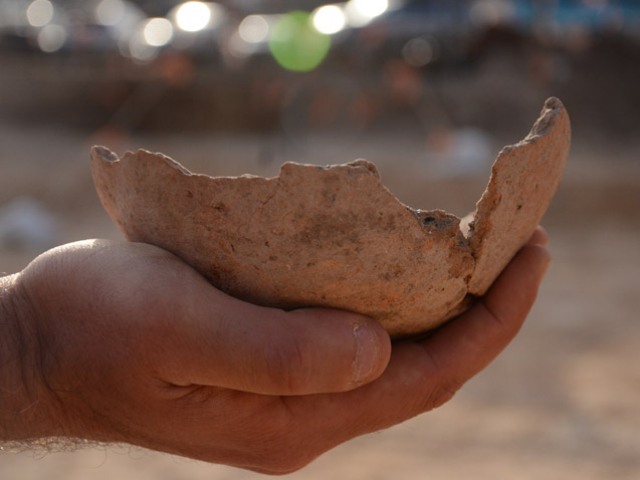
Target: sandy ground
<point>563,402</point>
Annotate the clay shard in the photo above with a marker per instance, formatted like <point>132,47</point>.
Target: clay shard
<point>524,179</point>
<point>334,236</point>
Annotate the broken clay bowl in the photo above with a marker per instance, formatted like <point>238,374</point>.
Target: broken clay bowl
<point>334,236</point>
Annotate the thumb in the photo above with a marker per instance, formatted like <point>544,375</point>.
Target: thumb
<point>228,343</point>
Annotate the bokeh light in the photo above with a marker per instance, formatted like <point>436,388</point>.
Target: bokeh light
<point>254,29</point>
<point>139,50</point>
<point>51,38</point>
<point>419,52</point>
<point>193,16</point>
<point>40,13</point>
<point>491,12</point>
<point>157,32</point>
<point>329,19</point>
<point>360,12</point>
<point>296,44</point>
<point>371,8</point>
<point>110,12</point>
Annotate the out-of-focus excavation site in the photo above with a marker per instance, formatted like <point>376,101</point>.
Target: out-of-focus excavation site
<point>429,91</point>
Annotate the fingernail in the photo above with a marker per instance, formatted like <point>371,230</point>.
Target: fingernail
<point>367,358</point>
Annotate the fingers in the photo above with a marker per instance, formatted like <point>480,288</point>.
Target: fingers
<point>220,341</point>
<point>422,376</point>
<point>539,237</point>
<point>170,322</point>
<point>254,349</point>
<point>481,334</point>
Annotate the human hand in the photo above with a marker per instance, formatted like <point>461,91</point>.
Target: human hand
<point>122,342</point>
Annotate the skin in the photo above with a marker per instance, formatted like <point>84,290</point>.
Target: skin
<point>123,342</point>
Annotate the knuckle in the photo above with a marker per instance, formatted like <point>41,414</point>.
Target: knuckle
<point>289,365</point>
<point>284,450</point>
<point>440,395</point>
<point>441,383</point>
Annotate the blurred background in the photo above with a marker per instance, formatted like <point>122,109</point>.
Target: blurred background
<point>430,91</point>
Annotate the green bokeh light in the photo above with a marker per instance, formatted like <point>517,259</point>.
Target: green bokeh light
<point>296,44</point>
